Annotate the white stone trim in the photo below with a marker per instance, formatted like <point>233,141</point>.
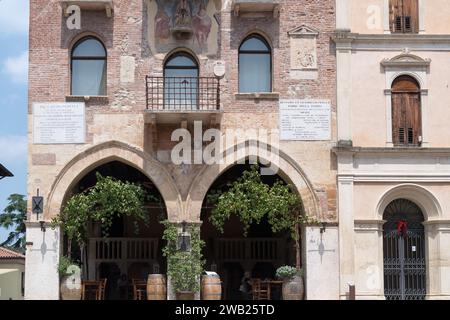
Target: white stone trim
<point>387,28</point>
<point>416,67</point>
<point>346,234</point>
<point>41,263</point>
<point>422,8</point>
<point>342,14</point>
<point>423,198</point>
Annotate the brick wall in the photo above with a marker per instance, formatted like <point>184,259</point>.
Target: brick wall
<point>125,34</point>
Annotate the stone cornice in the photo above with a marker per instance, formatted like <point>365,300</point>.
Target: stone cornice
<point>390,42</point>
<point>392,150</point>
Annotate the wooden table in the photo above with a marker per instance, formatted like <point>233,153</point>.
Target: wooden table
<point>88,286</point>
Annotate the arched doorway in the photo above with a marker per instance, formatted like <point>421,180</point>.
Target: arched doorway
<point>181,81</point>
<point>232,255</point>
<point>404,251</point>
<point>127,252</point>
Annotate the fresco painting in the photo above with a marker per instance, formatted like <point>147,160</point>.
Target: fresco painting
<point>190,16</point>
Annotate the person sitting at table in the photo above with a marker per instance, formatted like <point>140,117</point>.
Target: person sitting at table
<point>122,284</point>
<point>246,286</point>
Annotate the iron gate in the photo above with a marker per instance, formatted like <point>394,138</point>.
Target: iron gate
<point>404,252</point>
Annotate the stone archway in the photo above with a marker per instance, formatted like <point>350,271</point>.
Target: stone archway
<point>107,152</point>
<point>424,199</point>
<point>404,251</point>
<point>431,210</point>
<point>287,168</point>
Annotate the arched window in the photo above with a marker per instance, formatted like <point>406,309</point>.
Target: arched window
<point>406,117</point>
<point>88,68</point>
<point>181,82</point>
<point>255,65</point>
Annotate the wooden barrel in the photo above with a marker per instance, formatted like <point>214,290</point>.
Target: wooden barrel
<point>293,289</point>
<point>211,287</point>
<point>156,287</point>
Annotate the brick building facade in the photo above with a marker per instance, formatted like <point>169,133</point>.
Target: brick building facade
<point>127,126</point>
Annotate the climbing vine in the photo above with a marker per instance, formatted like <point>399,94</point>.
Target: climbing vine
<point>249,198</point>
<point>183,267</point>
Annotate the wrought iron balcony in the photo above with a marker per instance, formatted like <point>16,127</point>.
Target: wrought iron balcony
<point>183,94</point>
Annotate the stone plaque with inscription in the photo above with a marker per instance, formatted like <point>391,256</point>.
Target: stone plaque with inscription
<point>307,120</point>
<point>59,123</point>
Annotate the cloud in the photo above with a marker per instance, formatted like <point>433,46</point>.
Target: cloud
<point>13,148</point>
<point>17,67</point>
<point>14,16</point>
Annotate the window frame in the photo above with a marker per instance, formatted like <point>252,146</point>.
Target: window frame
<point>195,67</point>
<point>269,51</point>
<point>181,54</point>
<point>418,129</point>
<point>90,58</point>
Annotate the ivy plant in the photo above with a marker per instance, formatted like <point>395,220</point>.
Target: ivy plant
<point>107,199</point>
<point>183,267</point>
<point>251,200</point>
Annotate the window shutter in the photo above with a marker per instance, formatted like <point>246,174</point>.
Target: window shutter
<point>398,130</point>
<point>404,16</point>
<point>394,15</point>
<point>406,118</point>
<point>411,16</point>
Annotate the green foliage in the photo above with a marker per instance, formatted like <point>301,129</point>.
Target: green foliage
<point>64,264</point>
<point>251,200</point>
<point>183,268</point>
<point>288,272</point>
<point>107,199</point>
<point>14,216</point>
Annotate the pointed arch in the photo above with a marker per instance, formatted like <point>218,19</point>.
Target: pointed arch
<point>105,152</point>
<point>288,169</point>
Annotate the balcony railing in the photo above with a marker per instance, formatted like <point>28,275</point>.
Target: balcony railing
<point>107,249</point>
<point>252,249</point>
<point>183,94</point>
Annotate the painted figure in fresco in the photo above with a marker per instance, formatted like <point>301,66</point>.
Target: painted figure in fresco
<point>182,14</point>
<point>162,23</point>
<point>201,23</point>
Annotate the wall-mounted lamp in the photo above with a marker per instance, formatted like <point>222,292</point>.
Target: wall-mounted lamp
<point>184,239</point>
<point>324,227</point>
<point>37,207</point>
<point>42,223</point>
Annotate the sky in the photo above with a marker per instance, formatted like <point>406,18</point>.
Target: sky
<point>13,97</point>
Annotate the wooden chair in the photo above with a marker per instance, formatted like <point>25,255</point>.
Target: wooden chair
<point>264,290</point>
<point>260,289</point>
<point>101,294</point>
<point>91,288</point>
<point>139,289</point>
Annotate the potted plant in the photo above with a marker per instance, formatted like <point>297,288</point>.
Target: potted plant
<point>293,287</point>
<point>70,279</point>
<point>184,267</point>
<point>107,199</point>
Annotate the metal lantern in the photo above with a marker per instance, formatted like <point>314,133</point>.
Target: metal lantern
<point>184,239</point>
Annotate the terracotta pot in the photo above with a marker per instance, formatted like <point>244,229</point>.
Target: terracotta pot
<point>156,287</point>
<point>185,295</point>
<point>293,288</point>
<point>211,288</point>
<point>70,287</point>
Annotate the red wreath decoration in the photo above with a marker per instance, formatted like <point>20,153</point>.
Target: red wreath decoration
<point>402,227</point>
